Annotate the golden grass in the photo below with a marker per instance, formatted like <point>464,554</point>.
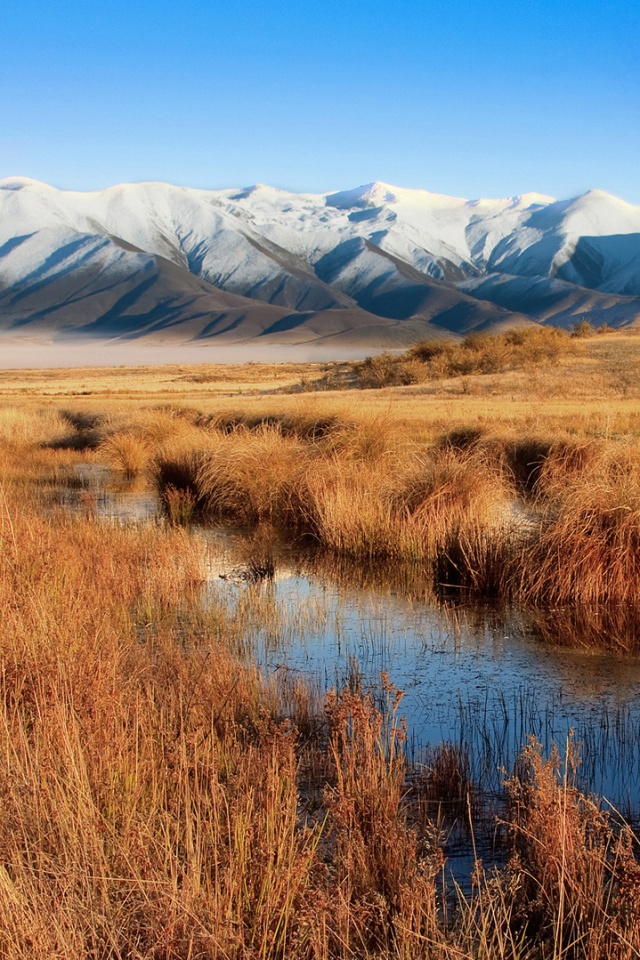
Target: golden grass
<point>151,791</point>
<point>360,493</point>
<point>126,452</point>
<point>132,782</point>
<point>574,869</point>
<point>201,380</point>
<point>152,780</point>
<point>249,476</point>
<point>420,478</point>
<point>589,550</point>
<point>437,476</point>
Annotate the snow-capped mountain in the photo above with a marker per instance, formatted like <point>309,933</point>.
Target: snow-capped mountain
<point>376,265</point>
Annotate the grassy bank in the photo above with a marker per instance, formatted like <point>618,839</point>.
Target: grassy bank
<point>162,798</point>
<point>152,788</point>
<point>548,519</point>
<point>537,503</point>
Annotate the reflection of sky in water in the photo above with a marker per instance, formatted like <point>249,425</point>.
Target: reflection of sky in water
<point>476,676</point>
<point>95,491</point>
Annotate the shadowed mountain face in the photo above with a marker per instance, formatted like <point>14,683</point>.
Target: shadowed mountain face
<point>610,264</point>
<point>554,301</point>
<point>377,266</point>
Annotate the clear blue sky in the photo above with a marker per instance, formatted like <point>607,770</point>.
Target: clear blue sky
<point>466,97</point>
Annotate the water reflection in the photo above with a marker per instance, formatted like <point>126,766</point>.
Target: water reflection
<point>94,489</point>
<point>483,678</point>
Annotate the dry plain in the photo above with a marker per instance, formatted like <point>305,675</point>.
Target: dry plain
<point>163,799</point>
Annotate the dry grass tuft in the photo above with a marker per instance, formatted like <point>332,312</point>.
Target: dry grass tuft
<point>302,426</point>
<point>366,495</point>
<point>180,505</point>
<point>571,462</point>
<point>250,476</point>
<point>126,452</point>
<point>578,881</point>
<point>589,552</point>
<point>178,469</point>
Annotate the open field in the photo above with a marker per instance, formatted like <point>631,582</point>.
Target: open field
<point>162,798</point>
<point>596,370</point>
<point>179,380</point>
<point>489,477</point>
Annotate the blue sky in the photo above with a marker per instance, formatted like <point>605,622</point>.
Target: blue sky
<point>465,97</point>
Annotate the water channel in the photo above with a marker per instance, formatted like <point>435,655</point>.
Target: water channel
<point>475,676</point>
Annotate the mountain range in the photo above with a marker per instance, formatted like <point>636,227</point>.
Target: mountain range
<point>377,266</point>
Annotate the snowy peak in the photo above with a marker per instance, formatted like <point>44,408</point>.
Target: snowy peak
<point>380,193</point>
<point>18,183</point>
<point>525,201</point>
<point>408,257</point>
<point>371,194</point>
<point>602,214</point>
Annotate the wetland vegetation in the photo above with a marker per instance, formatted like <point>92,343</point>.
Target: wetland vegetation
<point>167,792</point>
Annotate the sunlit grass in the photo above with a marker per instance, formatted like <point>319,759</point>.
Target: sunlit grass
<point>160,795</point>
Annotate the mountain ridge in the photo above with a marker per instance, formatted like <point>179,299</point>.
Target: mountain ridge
<point>372,266</point>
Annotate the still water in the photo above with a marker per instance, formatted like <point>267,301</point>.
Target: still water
<point>479,677</point>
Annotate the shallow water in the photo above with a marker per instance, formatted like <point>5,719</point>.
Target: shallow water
<point>92,489</point>
<point>479,677</point>
<point>474,676</point>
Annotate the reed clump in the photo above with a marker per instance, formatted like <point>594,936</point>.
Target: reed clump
<point>384,874</point>
<point>128,440</point>
<point>152,787</point>
<point>33,453</point>
<point>180,505</point>
<point>20,428</point>
<point>573,462</point>
<point>87,431</point>
<point>578,883</point>
<point>589,550</point>
<point>446,779</point>
<point>176,476</point>
<point>150,805</point>
<point>478,353</point>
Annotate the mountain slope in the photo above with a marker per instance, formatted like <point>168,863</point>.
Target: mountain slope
<point>377,265</point>
<point>554,301</point>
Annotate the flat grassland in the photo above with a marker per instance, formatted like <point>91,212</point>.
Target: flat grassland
<point>598,375</point>
<point>160,797</point>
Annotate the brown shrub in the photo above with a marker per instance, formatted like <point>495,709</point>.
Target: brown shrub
<point>478,353</point>
<point>589,550</point>
<point>578,889</point>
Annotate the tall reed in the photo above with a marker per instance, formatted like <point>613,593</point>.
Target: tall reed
<point>152,789</point>
<point>589,551</point>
